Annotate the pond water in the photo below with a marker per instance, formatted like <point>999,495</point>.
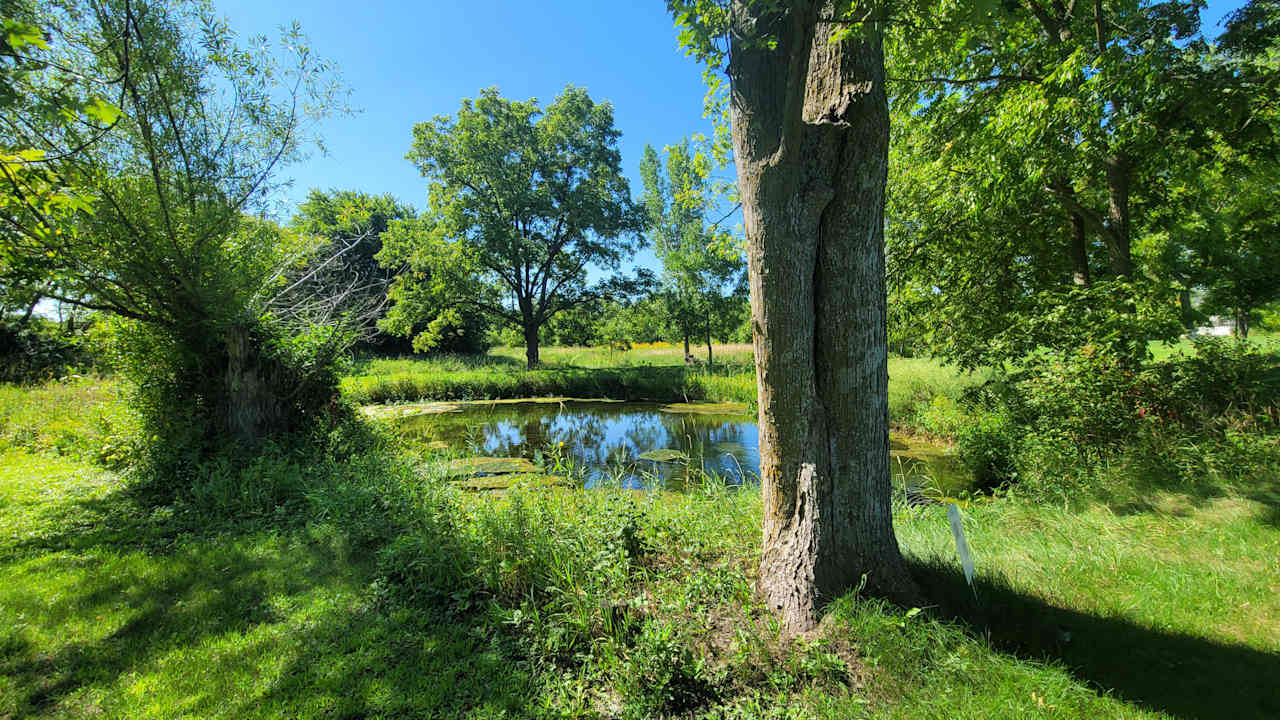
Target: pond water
<point>637,445</point>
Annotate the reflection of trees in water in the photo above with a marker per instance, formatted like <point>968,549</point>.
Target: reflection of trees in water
<point>600,436</point>
<point>605,438</point>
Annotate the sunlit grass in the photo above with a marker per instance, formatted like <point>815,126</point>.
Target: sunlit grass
<point>1163,351</point>
<point>81,416</point>
<point>380,590</point>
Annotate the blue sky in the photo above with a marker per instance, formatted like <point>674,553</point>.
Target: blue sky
<point>408,62</point>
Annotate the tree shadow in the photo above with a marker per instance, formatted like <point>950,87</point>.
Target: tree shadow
<point>1151,476</point>
<point>1182,675</point>
<point>297,623</point>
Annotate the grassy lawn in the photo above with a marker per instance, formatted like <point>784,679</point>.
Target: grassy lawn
<point>112,607</point>
<point>564,603</point>
<point>1260,338</point>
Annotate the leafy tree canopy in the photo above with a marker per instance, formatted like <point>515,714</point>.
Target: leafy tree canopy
<point>522,201</point>
<point>703,267</point>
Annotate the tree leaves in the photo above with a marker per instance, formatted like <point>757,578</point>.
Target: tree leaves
<point>522,199</point>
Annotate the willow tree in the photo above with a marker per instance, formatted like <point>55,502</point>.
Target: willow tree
<point>810,128</point>
<point>160,169</point>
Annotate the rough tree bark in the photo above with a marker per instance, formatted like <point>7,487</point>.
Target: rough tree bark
<point>811,134</point>
<point>253,404</point>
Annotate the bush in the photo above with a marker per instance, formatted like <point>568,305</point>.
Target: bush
<point>39,350</point>
<point>190,390</point>
<point>988,446</point>
<point>1205,414</point>
<point>1223,376</point>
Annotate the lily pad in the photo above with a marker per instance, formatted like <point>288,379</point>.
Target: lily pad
<point>663,455</point>
<point>488,466</point>
<point>506,482</point>
<point>707,408</point>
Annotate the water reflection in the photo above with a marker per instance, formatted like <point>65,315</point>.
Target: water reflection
<point>605,439</point>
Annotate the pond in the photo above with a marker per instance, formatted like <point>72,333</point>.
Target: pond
<point>635,445</point>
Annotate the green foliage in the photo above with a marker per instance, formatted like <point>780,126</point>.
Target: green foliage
<point>40,350</point>
<point>167,231</point>
<point>703,268</point>
<point>1058,423</point>
<point>1043,149</point>
<point>344,267</point>
<point>522,199</point>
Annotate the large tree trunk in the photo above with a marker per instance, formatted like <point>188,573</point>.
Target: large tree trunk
<point>811,146</point>
<point>253,407</point>
<point>1118,215</point>
<point>1079,251</point>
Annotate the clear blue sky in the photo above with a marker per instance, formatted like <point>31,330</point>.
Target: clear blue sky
<point>407,62</point>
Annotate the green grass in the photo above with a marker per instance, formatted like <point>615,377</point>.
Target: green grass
<point>640,354</point>
<point>369,587</point>
<point>78,416</point>
<point>1163,351</point>
<point>110,606</point>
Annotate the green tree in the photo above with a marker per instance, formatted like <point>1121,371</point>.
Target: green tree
<point>1233,238</point>
<point>522,201</point>
<point>1039,154</point>
<point>702,266</point>
<point>810,127</point>
<point>151,221</point>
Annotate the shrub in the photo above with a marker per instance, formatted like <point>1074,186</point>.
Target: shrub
<point>1187,417</point>
<point>988,445</point>
<point>38,351</point>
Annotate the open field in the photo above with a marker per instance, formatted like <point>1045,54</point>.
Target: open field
<point>1260,338</point>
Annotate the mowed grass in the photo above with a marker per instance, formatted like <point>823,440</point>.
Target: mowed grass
<point>111,607</point>
<point>1163,351</point>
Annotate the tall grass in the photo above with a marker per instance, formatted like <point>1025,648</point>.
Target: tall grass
<point>77,416</point>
